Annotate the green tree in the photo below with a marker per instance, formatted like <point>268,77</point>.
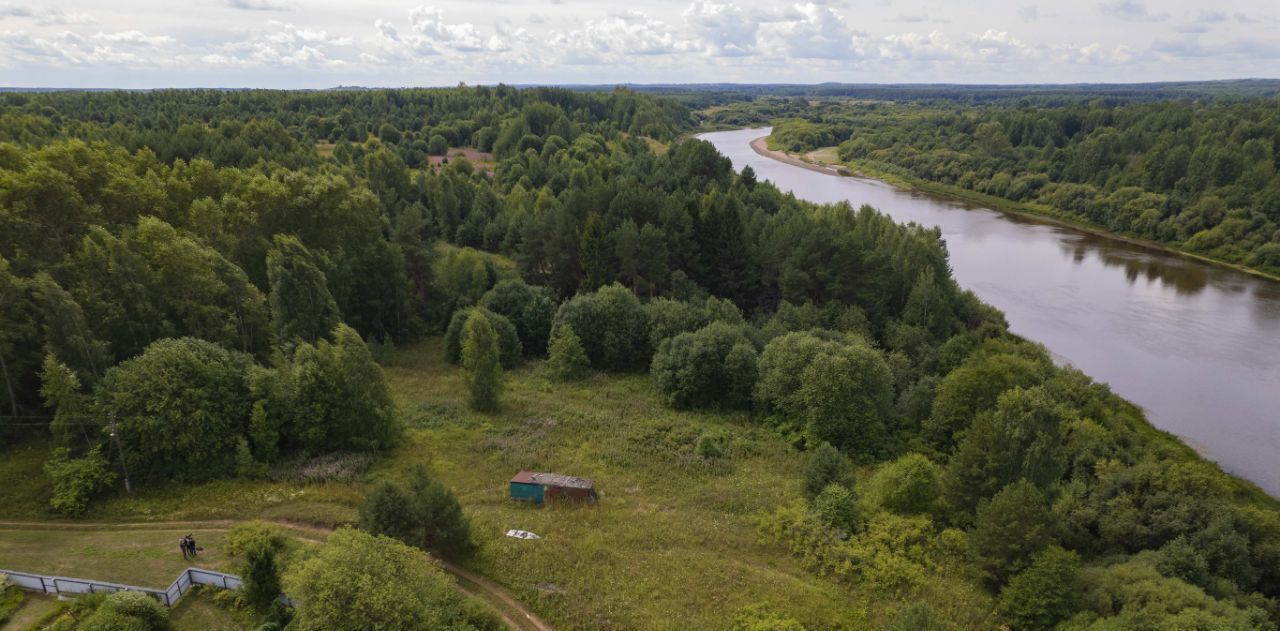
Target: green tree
<point>181,406</point>
<point>612,327</point>
<point>837,506</point>
<point>259,545</point>
<point>76,480</point>
<point>566,360</point>
<point>302,309</point>
<point>825,466</point>
<point>437,145</point>
<point>1019,439</point>
<point>509,344</point>
<point>1009,529</point>
<point>530,308</point>
<point>361,581</point>
<point>388,511</point>
<point>976,385</point>
<point>330,396</point>
<point>60,388</point>
<point>907,486</point>
<point>480,359</point>
<point>423,513</point>
<point>692,370</point>
<point>1044,594</point>
<point>442,526</point>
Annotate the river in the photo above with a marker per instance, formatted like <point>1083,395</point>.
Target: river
<point>1195,344</point>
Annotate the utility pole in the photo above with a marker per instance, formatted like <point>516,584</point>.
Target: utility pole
<point>119,449</point>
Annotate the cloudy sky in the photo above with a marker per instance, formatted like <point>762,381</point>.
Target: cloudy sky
<point>323,43</point>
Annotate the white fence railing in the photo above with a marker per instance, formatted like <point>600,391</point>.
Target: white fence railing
<point>189,578</point>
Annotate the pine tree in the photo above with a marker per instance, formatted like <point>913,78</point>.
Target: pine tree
<point>567,360</point>
<point>302,309</point>
<point>480,359</point>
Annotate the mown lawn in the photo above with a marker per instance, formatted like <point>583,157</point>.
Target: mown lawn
<point>671,544</point>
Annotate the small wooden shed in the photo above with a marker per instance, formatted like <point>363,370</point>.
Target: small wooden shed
<point>529,486</point>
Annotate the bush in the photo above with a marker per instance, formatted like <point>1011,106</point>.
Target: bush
<point>529,308</point>
<point>566,359</point>
<point>907,486</point>
<point>260,544</point>
<point>127,611</point>
<point>826,465</point>
<point>692,370</point>
<point>75,480</point>
<point>10,598</point>
<point>710,444</point>
<point>509,346</point>
<point>612,327</point>
<point>361,581</point>
<point>423,513</point>
<point>837,506</point>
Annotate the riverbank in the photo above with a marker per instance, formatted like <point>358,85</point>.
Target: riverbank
<point>1032,212</point>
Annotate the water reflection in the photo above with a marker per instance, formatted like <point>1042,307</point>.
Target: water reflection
<point>1196,345</point>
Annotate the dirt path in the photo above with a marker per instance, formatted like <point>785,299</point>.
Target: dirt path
<point>512,611</point>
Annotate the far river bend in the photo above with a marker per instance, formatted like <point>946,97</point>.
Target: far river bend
<point>1196,345</point>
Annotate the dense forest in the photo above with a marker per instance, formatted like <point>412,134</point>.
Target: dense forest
<point>1200,176</point>
<point>201,284</point>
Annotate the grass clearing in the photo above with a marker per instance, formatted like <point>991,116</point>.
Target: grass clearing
<point>671,543</point>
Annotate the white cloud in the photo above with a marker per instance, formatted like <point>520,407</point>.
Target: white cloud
<point>724,28</point>
<point>259,5</point>
<point>615,39</point>
<point>57,17</point>
<point>1131,11</point>
<point>810,31</point>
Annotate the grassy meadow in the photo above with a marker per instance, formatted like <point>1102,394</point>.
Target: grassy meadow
<point>671,543</point>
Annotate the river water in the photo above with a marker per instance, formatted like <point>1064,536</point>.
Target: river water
<point>1196,345</point>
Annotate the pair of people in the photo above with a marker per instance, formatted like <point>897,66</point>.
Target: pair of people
<point>188,546</point>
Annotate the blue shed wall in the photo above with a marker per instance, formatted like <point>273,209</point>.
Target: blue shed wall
<point>527,492</point>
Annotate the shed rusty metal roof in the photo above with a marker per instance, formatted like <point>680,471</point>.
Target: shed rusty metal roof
<point>552,479</point>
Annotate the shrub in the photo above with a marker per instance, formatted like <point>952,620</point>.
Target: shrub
<point>75,480</point>
<point>566,359</point>
<point>509,346</point>
<point>10,598</point>
<point>826,465</point>
<point>423,513</point>
<point>837,506</point>
<point>361,581</point>
<point>710,444</point>
<point>907,486</point>
<point>127,611</point>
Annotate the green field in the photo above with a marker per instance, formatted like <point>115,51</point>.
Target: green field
<point>672,541</point>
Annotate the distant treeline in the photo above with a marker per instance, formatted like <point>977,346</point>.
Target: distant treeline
<point>1199,176</point>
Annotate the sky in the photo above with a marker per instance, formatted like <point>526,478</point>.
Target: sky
<point>323,43</point>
